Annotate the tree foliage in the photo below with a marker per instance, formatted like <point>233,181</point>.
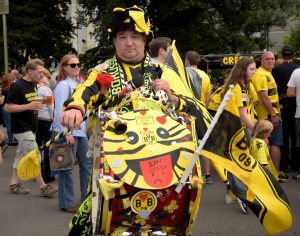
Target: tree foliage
<point>294,37</point>
<point>207,26</point>
<point>43,29</point>
<point>37,29</point>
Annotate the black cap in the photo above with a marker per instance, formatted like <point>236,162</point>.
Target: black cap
<point>287,50</point>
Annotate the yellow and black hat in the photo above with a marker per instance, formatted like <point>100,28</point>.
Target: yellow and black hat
<point>132,17</point>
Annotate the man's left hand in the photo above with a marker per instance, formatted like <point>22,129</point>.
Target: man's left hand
<point>161,84</point>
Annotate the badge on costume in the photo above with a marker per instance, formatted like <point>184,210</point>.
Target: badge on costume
<point>143,203</point>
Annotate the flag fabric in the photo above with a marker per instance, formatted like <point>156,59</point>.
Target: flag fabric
<point>250,181</point>
<point>174,72</point>
<point>226,147</point>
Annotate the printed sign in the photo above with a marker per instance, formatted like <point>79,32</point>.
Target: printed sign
<point>4,7</point>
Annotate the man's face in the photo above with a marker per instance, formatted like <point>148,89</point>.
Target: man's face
<point>164,53</point>
<point>130,45</point>
<point>37,74</point>
<point>268,61</point>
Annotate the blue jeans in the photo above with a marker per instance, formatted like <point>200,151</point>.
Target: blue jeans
<point>65,180</point>
<point>7,121</point>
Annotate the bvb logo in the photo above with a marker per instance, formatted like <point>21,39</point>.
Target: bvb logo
<point>143,201</point>
<point>149,137</point>
<point>239,152</point>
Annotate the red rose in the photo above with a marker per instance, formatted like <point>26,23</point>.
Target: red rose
<point>104,80</point>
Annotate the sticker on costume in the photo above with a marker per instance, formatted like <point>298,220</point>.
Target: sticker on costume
<point>144,119</point>
<point>143,203</point>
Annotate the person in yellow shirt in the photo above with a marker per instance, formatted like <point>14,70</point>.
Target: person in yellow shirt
<point>244,96</point>
<point>200,80</point>
<point>244,93</point>
<point>202,91</point>
<point>268,107</point>
<point>259,148</point>
<point>131,65</point>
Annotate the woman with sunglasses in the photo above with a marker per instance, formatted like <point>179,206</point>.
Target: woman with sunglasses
<point>67,79</point>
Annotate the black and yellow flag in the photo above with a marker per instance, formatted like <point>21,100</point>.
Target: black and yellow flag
<point>247,178</point>
<point>174,72</point>
<point>227,149</point>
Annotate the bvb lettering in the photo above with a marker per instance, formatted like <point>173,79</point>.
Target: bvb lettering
<point>149,138</point>
<point>138,203</point>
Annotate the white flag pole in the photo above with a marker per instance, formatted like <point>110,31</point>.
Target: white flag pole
<point>202,142</point>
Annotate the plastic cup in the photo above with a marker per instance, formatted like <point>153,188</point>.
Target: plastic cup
<point>48,100</point>
<point>38,99</point>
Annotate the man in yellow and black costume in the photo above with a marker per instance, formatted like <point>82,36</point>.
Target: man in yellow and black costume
<point>130,33</point>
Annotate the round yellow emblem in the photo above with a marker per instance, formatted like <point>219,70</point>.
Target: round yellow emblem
<point>143,203</point>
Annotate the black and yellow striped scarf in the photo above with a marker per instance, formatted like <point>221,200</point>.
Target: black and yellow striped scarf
<point>123,72</point>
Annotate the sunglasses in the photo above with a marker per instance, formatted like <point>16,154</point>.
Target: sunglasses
<point>73,65</point>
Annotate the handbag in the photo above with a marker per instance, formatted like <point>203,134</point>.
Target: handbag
<point>61,156</point>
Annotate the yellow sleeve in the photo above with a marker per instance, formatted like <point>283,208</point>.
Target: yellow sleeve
<point>238,96</point>
<point>205,81</point>
<point>206,88</point>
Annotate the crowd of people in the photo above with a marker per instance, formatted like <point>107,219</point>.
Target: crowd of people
<point>264,98</point>
<point>31,117</point>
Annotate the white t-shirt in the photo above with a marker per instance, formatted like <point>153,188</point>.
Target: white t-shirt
<point>294,82</point>
<point>46,112</point>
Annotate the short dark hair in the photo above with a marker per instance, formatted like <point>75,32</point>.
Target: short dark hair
<point>157,43</point>
<point>122,27</point>
<point>193,57</point>
<point>287,52</point>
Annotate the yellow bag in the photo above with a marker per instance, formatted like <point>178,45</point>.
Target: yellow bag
<point>29,166</point>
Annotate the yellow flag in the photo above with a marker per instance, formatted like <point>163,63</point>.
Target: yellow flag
<point>227,149</point>
<point>174,72</point>
<point>248,179</point>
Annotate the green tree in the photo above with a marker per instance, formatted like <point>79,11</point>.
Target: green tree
<point>207,26</point>
<point>294,37</point>
<point>213,26</point>
<point>37,29</point>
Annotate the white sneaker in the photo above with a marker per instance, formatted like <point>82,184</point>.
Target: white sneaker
<point>243,206</point>
<point>229,200</point>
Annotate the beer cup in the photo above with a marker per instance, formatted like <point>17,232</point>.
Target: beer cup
<point>38,99</point>
<point>48,100</point>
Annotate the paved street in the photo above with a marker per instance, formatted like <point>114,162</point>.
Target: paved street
<point>36,216</point>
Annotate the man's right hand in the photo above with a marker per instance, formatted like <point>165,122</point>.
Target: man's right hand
<point>35,106</point>
<point>275,120</point>
<point>71,119</point>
